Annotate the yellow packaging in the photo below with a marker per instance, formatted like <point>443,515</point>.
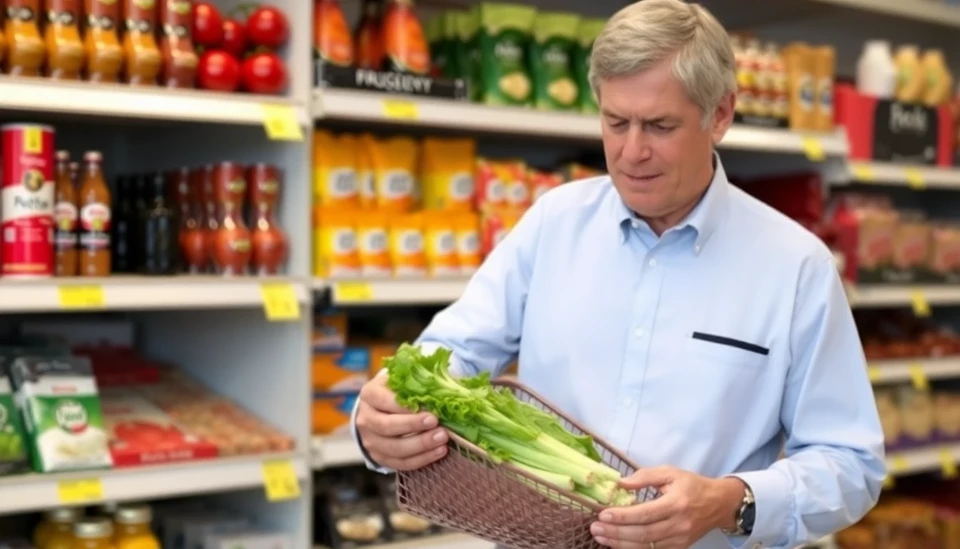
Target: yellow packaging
<point>373,243</point>
<point>335,244</point>
<point>365,175</point>
<point>798,58</point>
<point>335,170</point>
<point>406,245</point>
<point>447,173</point>
<point>395,169</point>
<point>467,233</point>
<point>440,237</point>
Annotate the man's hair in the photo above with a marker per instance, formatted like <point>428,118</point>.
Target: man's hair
<point>650,31</point>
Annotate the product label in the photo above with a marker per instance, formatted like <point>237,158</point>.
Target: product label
<point>461,186</point>
<point>397,184</point>
<point>410,242</point>
<point>468,243</point>
<point>342,183</point>
<point>807,93</point>
<point>27,213</point>
<point>518,194</point>
<point>66,219</point>
<point>374,242</point>
<point>95,226</point>
<point>905,133</point>
<point>344,241</point>
<point>496,191</point>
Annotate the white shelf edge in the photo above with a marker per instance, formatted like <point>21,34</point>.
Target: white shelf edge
<point>367,106</point>
<point>920,460</point>
<point>393,291</point>
<point>882,295</point>
<point>929,11</point>
<point>334,451</point>
<point>149,103</point>
<point>34,492</point>
<point>893,174</point>
<point>142,292</point>
<point>894,371</point>
<point>439,541</point>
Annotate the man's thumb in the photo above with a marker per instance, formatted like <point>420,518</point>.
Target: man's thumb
<point>652,476</point>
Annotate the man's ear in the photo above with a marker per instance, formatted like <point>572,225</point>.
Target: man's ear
<point>723,117</point>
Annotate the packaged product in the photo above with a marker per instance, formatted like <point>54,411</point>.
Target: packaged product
<point>890,417</point>
<point>798,59</point>
<point>917,412</point>
<point>335,170</point>
<point>496,223</point>
<point>13,446</point>
<point>945,252</point>
<point>379,351</point>
<point>373,243</point>
<point>858,536</point>
<point>939,81</point>
<point>542,181</point>
<point>441,243</point>
<point>60,407</point>
<point>447,173</point>
<point>575,171</point>
<point>352,513</point>
<point>467,232</point>
<point>460,27</point>
<point>395,171</point>
<point>407,251</point>
<point>551,60</point>
<point>502,183</point>
<point>824,67</point>
<point>366,186</point>
<point>902,523</point>
<point>335,244</point>
<point>404,44</point>
<point>435,32</point>
<point>910,77</point>
<point>946,405</point>
<point>339,372</point>
<point>329,332</point>
<point>501,41</point>
<point>587,33</point>
<point>330,414</point>
<point>911,247</point>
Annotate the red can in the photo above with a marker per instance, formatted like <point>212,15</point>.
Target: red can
<point>28,189</point>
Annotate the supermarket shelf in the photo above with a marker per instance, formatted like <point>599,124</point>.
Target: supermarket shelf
<point>334,451</point>
<point>867,296</point>
<point>152,103</point>
<point>904,175</point>
<point>929,11</point>
<point>442,541</point>
<point>397,291</point>
<point>138,293</point>
<point>921,460</point>
<point>376,107</point>
<point>35,492</point>
<point>895,371</point>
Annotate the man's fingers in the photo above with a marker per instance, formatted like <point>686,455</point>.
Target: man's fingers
<point>632,533</point>
<point>410,463</point>
<point>404,447</point>
<point>377,395</point>
<point>393,425</point>
<point>645,513</point>
<point>646,477</point>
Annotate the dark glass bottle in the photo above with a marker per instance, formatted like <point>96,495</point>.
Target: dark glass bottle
<point>124,226</point>
<point>158,229</point>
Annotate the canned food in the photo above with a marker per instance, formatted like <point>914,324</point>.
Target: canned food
<point>27,186</point>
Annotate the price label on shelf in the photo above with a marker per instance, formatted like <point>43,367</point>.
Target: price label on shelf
<point>80,490</point>
<point>813,148</point>
<point>948,463</point>
<point>864,173</point>
<point>280,301</point>
<point>921,307</point>
<point>280,122</point>
<point>918,375</point>
<point>915,179</point>
<point>88,296</point>
<point>874,373</point>
<point>280,480</point>
<point>354,291</point>
<point>400,110</point>
<point>888,482</point>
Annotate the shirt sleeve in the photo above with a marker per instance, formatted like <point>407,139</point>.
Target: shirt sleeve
<point>483,326</point>
<point>834,466</point>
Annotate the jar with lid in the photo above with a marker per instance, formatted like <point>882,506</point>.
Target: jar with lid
<point>56,528</point>
<point>93,533</point>
<point>133,528</point>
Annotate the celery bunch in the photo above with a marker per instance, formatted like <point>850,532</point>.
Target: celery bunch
<point>508,429</point>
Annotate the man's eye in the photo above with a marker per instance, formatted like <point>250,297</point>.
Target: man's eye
<point>662,128</point>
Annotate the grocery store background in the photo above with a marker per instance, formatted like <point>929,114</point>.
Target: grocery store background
<point>218,217</point>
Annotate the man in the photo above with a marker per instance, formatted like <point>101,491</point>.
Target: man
<point>688,324</point>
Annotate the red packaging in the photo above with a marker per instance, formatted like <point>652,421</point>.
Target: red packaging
<point>26,250</point>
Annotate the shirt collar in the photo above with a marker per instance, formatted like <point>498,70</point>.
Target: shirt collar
<point>705,216</point>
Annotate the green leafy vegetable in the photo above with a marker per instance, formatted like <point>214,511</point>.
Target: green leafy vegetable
<point>508,429</point>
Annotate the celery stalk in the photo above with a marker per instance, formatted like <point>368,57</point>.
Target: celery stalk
<point>548,477</point>
<point>533,457</point>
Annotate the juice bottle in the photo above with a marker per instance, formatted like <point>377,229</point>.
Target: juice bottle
<point>405,46</point>
<point>25,49</point>
<point>132,528</point>
<point>66,217</point>
<point>56,523</point>
<point>368,40</point>
<point>139,46</point>
<point>176,45</point>
<point>331,34</point>
<point>910,80</point>
<point>93,533</point>
<point>104,54</point>
<point>62,37</point>
<point>94,218</point>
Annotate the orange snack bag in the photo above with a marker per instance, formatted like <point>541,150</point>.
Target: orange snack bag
<point>541,182</point>
<point>395,163</point>
<point>407,251</point>
<point>366,187</point>
<point>373,243</point>
<point>467,233</point>
<point>496,225</point>
<point>446,173</point>
<point>335,170</point>
<point>335,244</point>
<point>441,243</point>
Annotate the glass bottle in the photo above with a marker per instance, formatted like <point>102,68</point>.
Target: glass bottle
<point>66,219</point>
<point>124,227</point>
<point>158,230</point>
<point>94,218</point>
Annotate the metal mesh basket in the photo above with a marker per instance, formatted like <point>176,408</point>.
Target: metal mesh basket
<point>467,491</point>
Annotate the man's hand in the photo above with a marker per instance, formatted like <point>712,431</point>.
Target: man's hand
<point>689,507</point>
<point>393,436</point>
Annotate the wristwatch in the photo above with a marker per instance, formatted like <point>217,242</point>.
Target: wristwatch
<point>746,515</point>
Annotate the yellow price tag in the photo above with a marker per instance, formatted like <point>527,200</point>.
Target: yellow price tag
<point>345,291</point>
<point>401,110</point>
<point>280,480</point>
<point>874,373</point>
<point>888,482</point>
<point>81,297</point>
<point>948,463</point>
<point>862,172</point>
<point>919,377</point>
<point>80,490</point>
<point>813,149</point>
<point>280,301</point>
<point>915,179</point>
<point>921,307</point>
<point>280,122</point>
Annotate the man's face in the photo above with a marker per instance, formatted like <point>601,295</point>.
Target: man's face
<point>657,151</point>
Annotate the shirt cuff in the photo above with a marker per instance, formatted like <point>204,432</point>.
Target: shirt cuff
<point>774,505</point>
<point>368,461</point>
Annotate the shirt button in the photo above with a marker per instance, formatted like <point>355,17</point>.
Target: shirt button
<point>696,249</point>
<point>653,262</point>
<point>638,332</point>
<point>636,224</point>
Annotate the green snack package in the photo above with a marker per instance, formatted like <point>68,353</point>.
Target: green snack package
<point>587,33</point>
<point>60,407</point>
<point>551,52</point>
<point>502,38</point>
<point>437,39</point>
<point>456,26</point>
<point>13,448</point>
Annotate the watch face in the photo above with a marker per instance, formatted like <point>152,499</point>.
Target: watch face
<point>749,516</point>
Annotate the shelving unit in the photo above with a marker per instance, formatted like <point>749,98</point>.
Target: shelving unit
<point>921,460</point>
<point>875,296</point>
<point>905,371</point>
<point>903,175</point>
<point>334,451</point>
<point>413,291</point>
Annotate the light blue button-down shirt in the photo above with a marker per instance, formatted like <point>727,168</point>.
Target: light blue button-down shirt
<point>602,314</point>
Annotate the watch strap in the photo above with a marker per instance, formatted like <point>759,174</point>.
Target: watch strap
<point>746,515</point>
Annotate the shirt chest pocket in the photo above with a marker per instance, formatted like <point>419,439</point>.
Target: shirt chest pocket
<point>725,351</point>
